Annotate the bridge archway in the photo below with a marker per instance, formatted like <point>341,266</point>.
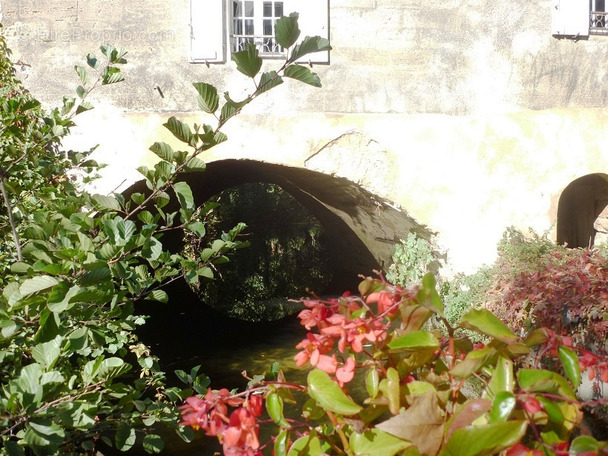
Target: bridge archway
<point>580,204</point>
<point>363,227</point>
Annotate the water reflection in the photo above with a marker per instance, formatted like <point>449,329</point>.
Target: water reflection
<point>188,334</point>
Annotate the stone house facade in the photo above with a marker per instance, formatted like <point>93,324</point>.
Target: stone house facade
<point>471,116</point>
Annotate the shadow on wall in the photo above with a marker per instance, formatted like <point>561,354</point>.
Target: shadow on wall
<point>582,218</point>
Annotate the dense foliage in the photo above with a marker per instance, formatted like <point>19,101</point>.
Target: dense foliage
<point>413,258</point>
<point>285,257</point>
<point>416,398</point>
<point>563,289</point>
<point>73,373</point>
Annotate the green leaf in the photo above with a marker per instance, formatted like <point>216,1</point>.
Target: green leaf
<point>552,409</point>
<point>92,61</point>
<point>48,326</point>
<point>502,379</point>
<point>308,445</point>
<point>179,129</point>
<point>44,436</point>
<point>485,440</point>
<point>584,444</point>
<point>428,296</point>
<point>158,295</point>
<point>111,368</point>
<point>227,112</point>
<point>197,228</point>
<point>281,443</point>
<point>571,365</point>
<point>302,74</point>
<point>19,267</point>
<point>544,381</point>
<point>13,448</point>
<point>415,341</point>
<point>269,80</point>
<point>375,442</point>
<point>329,395</point>
<point>125,436</point>
<point>413,317</point>
<point>474,361</point>
<point>8,328</point>
<point>111,75</point>
<point>47,353</point>
<point>390,388</point>
<point>248,61</point>
<point>286,30</point>
<point>80,91</point>
<point>309,45</point>
<point>208,98</point>
<point>82,73</point>
<point>153,443</point>
<point>36,284</point>
<point>372,382</point>
<point>274,406</point>
<point>163,150</point>
<point>184,195</point>
<point>152,249</point>
<point>485,322</point>
<point>195,164</point>
<point>100,274</point>
<point>106,202</point>
<point>503,404</point>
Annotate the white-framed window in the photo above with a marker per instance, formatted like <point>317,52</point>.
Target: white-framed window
<point>222,27</point>
<point>253,22</point>
<point>579,18</point>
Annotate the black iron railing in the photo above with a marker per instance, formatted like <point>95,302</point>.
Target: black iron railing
<point>598,22</point>
<point>266,44</point>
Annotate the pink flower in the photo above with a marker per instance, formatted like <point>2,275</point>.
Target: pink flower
<point>326,363</point>
<point>532,405</point>
<point>346,373</point>
<point>194,413</point>
<point>356,332</point>
<point>388,304</point>
<point>316,314</point>
<point>314,344</point>
<point>242,437</point>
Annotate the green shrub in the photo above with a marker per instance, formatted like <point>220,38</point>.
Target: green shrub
<point>464,293</point>
<point>413,258</point>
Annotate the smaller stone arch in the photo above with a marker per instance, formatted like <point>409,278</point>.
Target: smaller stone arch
<point>580,209</point>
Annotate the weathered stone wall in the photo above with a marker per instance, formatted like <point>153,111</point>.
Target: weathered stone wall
<point>468,114</point>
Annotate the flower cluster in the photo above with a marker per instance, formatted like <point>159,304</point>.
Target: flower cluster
<point>594,366</point>
<point>352,323</point>
<point>238,431</point>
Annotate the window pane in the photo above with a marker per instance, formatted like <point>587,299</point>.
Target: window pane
<point>278,9</point>
<point>237,8</point>
<point>248,9</point>
<point>249,27</point>
<point>238,27</point>
<point>267,27</point>
<point>267,9</point>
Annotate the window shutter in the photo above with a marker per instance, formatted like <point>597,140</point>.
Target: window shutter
<point>313,21</point>
<point>207,39</point>
<point>570,18</point>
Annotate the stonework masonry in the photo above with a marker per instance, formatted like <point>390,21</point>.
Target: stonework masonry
<point>468,115</point>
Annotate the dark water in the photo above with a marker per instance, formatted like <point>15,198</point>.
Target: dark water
<point>187,333</point>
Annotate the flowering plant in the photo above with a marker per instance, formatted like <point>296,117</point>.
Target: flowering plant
<point>419,383</point>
